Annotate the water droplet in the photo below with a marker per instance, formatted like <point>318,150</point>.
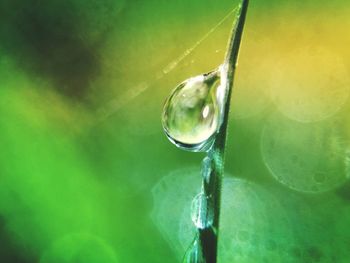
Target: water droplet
<point>202,211</point>
<point>194,254</point>
<point>206,169</point>
<point>191,113</point>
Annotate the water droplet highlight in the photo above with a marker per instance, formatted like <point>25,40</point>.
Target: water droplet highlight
<point>191,113</point>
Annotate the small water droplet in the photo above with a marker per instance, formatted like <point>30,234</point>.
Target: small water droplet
<point>202,211</point>
<point>206,169</point>
<point>191,113</point>
<point>194,254</point>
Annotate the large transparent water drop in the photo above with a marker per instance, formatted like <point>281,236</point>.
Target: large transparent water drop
<point>191,113</point>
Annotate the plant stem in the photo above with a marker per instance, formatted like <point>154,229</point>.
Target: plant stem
<point>212,177</point>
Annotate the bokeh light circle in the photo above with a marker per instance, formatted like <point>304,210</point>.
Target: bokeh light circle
<point>309,84</point>
<point>307,157</point>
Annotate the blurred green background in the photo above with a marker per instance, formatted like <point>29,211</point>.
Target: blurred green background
<point>86,173</point>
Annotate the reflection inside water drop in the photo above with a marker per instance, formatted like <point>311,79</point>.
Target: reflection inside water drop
<point>191,113</point>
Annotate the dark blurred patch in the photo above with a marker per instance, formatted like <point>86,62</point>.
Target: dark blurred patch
<point>344,191</point>
<point>314,253</point>
<point>45,37</point>
<point>8,251</point>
